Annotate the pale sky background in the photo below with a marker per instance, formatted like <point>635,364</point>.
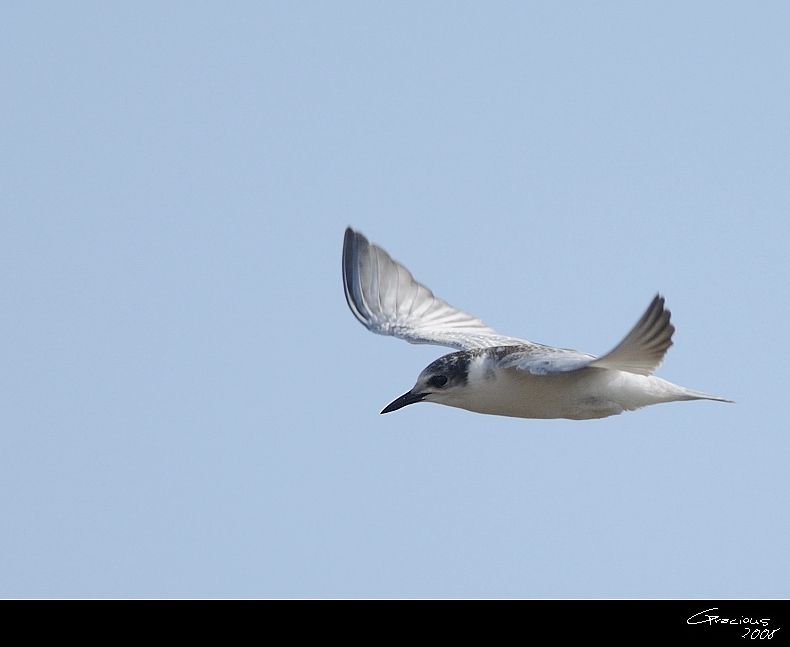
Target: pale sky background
<point>187,406</point>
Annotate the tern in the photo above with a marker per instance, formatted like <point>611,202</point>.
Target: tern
<point>505,376</point>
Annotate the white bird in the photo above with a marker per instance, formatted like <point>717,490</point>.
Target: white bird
<point>500,375</point>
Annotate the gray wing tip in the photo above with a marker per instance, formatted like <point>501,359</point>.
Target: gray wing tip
<point>662,329</point>
<point>353,243</point>
<point>350,235</point>
<point>656,330</point>
<point>644,347</point>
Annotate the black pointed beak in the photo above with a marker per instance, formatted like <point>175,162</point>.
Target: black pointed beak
<point>402,401</point>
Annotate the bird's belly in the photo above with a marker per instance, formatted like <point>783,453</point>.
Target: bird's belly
<point>580,395</point>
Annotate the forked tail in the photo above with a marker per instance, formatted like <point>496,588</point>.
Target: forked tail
<point>690,394</point>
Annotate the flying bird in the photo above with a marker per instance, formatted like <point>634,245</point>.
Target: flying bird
<point>506,376</point>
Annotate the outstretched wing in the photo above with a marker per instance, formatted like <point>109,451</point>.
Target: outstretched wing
<point>384,296</point>
<point>641,351</point>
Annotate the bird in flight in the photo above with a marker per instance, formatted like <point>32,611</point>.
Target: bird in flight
<point>500,375</point>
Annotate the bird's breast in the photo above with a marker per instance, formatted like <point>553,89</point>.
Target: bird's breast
<point>581,394</point>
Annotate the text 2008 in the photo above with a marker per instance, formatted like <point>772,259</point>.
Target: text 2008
<point>760,634</point>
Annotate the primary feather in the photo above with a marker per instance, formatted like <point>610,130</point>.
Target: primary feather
<point>386,298</point>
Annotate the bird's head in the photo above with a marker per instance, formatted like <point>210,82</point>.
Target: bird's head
<point>441,381</point>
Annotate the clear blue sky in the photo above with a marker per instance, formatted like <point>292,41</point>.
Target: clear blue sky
<point>189,409</point>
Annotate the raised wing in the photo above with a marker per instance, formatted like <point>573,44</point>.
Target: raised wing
<point>385,297</point>
<point>641,351</point>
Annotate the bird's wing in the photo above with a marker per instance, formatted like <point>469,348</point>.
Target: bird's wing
<point>641,351</point>
<point>384,296</point>
<point>545,360</point>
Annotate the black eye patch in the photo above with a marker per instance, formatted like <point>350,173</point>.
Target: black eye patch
<point>438,381</point>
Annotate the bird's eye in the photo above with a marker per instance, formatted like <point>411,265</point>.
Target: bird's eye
<point>438,381</point>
